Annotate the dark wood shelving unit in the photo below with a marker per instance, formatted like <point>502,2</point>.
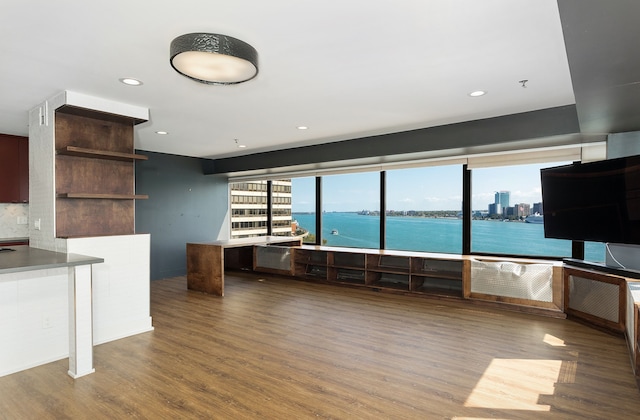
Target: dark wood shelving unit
<point>436,276</point>
<point>95,188</point>
<point>346,267</point>
<point>311,265</point>
<point>381,270</point>
<point>388,271</point>
<point>347,275</point>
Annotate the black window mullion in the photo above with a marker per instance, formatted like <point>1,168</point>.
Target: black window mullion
<point>269,207</point>
<point>318,210</point>
<point>466,210</point>
<point>383,209</point>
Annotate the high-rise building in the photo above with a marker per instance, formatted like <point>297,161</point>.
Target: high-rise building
<point>502,197</point>
<point>495,209</point>
<point>536,208</point>
<point>521,210</point>
<point>249,207</point>
<point>281,208</point>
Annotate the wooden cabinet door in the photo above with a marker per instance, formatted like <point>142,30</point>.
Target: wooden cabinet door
<point>9,169</point>
<point>23,172</point>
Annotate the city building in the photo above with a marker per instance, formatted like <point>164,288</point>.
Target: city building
<point>536,208</point>
<point>502,199</point>
<point>521,210</point>
<point>495,209</point>
<point>249,208</point>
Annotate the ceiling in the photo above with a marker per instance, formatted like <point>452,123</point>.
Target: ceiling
<point>343,69</point>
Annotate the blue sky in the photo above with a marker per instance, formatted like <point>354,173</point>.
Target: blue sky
<point>427,188</point>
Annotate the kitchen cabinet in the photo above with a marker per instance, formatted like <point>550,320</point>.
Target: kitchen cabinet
<point>14,169</point>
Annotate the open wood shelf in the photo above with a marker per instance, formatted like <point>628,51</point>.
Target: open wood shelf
<point>104,196</point>
<point>310,265</point>
<point>99,154</point>
<point>346,260</point>
<point>388,280</point>
<point>389,264</point>
<point>346,275</point>
<point>436,285</point>
<point>407,273</point>
<point>94,174</point>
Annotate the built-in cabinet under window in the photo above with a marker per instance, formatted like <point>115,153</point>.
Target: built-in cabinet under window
<point>381,270</point>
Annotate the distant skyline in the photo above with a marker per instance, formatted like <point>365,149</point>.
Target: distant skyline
<point>426,188</point>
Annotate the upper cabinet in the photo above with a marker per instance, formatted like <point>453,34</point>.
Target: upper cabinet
<point>14,169</point>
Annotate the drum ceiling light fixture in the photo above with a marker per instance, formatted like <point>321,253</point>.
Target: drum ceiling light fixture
<point>213,58</point>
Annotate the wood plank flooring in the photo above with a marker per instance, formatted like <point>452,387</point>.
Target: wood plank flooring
<point>276,348</point>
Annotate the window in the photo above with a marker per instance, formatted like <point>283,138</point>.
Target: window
<point>351,210</point>
<point>249,206</point>
<point>303,207</point>
<point>424,209</point>
<point>507,207</point>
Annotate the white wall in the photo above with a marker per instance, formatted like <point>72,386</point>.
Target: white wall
<point>42,175</point>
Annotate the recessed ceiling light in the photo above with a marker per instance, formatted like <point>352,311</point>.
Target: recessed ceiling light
<point>302,127</point>
<point>162,132</point>
<point>477,93</point>
<point>242,146</point>
<point>130,81</point>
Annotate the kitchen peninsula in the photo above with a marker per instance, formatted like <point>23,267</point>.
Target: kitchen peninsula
<point>46,309</point>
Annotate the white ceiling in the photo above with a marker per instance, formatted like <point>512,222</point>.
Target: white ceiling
<point>345,69</point>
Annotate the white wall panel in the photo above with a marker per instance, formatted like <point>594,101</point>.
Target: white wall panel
<point>121,285</point>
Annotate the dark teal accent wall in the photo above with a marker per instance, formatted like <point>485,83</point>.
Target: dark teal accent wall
<point>183,206</point>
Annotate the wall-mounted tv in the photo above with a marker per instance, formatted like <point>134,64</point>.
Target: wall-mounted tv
<point>596,201</point>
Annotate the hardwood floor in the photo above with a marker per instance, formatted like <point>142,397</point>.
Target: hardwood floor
<point>275,348</point>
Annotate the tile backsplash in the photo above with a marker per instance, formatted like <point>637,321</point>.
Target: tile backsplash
<point>9,215</point>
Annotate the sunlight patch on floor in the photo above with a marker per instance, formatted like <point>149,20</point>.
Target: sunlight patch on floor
<point>553,341</point>
<point>515,384</point>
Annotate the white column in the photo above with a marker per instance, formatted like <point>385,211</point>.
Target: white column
<point>80,322</point>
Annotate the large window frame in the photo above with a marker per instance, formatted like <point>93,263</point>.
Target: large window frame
<point>594,151</point>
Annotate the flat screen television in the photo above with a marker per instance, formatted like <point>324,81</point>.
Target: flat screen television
<point>595,201</point>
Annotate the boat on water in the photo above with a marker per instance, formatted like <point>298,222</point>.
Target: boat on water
<point>334,231</point>
<point>537,219</point>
